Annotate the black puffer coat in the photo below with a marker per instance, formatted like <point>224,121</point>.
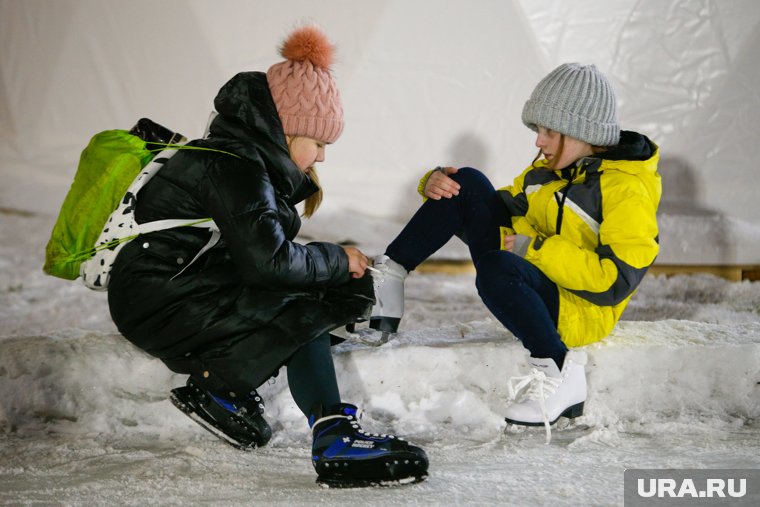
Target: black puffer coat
<point>242,309</point>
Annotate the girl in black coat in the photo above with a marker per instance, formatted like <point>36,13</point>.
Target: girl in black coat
<point>257,300</point>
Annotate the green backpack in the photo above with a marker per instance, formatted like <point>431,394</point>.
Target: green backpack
<point>112,169</point>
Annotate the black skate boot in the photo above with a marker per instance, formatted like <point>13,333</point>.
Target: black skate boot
<point>240,423</point>
<point>345,456</point>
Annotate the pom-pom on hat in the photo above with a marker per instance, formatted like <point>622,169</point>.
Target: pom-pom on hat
<point>303,89</point>
<point>575,100</point>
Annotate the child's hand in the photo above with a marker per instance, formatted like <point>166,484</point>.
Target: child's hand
<point>509,242</point>
<point>357,261</point>
<point>440,185</point>
<point>517,244</point>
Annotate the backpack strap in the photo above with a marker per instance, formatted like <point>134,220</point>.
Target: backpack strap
<point>122,228</point>
<point>204,223</point>
<point>213,240</point>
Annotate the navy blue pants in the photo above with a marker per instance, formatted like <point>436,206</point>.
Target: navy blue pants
<point>518,294</point>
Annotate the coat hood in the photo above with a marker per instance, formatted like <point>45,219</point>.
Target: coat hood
<point>636,154</point>
<point>247,114</point>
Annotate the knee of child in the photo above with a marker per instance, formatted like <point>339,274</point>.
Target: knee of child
<point>469,176</point>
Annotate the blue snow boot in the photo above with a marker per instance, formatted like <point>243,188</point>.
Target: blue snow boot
<point>345,456</point>
<point>240,423</point>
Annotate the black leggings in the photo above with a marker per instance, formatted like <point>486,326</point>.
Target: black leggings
<point>311,376</point>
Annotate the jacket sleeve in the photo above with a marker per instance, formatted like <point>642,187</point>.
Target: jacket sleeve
<point>628,245</point>
<point>242,201</point>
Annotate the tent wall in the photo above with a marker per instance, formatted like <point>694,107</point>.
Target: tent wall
<point>423,82</point>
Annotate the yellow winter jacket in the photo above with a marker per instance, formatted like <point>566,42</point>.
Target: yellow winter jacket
<point>594,231</point>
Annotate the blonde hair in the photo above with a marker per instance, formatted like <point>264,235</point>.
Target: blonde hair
<point>312,202</point>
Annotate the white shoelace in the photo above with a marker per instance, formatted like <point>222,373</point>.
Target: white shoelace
<point>384,271</point>
<point>537,387</point>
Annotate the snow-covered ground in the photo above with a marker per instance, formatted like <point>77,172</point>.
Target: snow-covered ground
<point>85,419</point>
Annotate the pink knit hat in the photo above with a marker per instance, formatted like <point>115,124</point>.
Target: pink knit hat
<point>303,89</point>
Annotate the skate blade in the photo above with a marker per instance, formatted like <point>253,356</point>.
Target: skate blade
<point>368,483</point>
<point>364,335</point>
<point>189,411</point>
<point>562,430</point>
<point>570,413</point>
<point>515,429</point>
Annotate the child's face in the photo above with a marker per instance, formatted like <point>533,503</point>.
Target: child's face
<point>561,153</point>
<point>305,152</point>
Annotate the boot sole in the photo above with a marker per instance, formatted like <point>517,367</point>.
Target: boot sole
<point>570,412</point>
<point>397,470</point>
<point>184,399</point>
<point>369,483</point>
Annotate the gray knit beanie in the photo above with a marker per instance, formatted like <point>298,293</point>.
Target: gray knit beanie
<point>575,100</point>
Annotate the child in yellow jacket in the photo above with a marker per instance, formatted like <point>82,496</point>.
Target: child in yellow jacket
<point>559,252</point>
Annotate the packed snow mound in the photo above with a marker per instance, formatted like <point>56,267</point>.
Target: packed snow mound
<point>425,383</point>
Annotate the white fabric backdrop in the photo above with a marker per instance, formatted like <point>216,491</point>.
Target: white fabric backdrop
<point>423,82</point>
